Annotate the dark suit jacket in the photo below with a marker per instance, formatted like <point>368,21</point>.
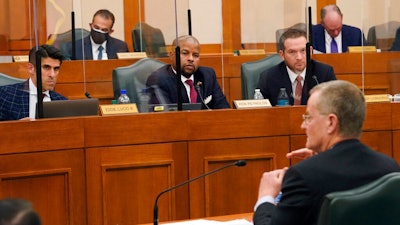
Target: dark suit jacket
<point>113,47</point>
<point>14,100</point>
<point>277,77</point>
<point>204,77</point>
<point>349,164</point>
<point>351,36</point>
<point>396,42</point>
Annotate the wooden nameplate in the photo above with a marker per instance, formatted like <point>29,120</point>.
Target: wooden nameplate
<point>118,109</point>
<point>131,55</point>
<point>251,104</point>
<point>377,98</point>
<point>359,49</point>
<point>252,52</point>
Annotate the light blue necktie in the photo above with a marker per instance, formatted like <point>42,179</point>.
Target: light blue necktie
<point>100,55</point>
<point>334,48</point>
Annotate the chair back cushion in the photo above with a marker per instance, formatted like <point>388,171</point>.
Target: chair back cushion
<point>250,73</point>
<point>6,80</point>
<point>149,39</point>
<point>375,203</point>
<point>63,39</point>
<point>133,78</point>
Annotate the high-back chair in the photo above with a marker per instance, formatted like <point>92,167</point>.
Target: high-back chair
<point>133,78</point>
<point>149,39</point>
<point>250,73</point>
<point>375,203</point>
<point>6,80</point>
<point>63,39</point>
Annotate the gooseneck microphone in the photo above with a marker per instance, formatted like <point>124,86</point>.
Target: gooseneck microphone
<point>155,215</point>
<point>197,87</point>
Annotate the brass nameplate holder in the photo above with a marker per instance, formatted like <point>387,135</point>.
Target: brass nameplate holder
<point>21,58</point>
<point>118,109</point>
<point>251,104</point>
<point>252,52</point>
<point>359,49</point>
<point>377,98</point>
<point>131,55</point>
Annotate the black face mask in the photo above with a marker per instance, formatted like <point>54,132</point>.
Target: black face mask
<point>98,37</point>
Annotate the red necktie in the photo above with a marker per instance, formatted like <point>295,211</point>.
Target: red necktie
<point>193,93</point>
<point>298,92</point>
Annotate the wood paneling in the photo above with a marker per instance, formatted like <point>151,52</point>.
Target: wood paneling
<point>54,181</point>
<point>109,170</point>
<point>124,181</point>
<point>261,154</point>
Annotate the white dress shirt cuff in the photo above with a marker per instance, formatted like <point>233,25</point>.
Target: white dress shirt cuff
<point>264,199</point>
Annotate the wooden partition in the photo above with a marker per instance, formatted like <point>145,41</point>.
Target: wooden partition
<point>378,73</point>
<point>109,170</point>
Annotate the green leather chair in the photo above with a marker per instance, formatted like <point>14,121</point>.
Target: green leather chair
<point>133,78</point>
<point>6,80</point>
<point>376,203</point>
<point>146,38</point>
<point>250,73</point>
<point>63,39</point>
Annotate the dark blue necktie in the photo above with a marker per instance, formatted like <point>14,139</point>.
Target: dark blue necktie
<point>100,55</point>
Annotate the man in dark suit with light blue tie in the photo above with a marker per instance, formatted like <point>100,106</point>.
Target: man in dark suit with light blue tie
<point>99,45</point>
<point>193,77</point>
<point>18,101</point>
<point>332,36</point>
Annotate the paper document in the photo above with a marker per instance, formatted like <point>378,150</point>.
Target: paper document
<point>212,222</point>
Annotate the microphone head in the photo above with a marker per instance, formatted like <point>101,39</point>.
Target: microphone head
<point>240,163</point>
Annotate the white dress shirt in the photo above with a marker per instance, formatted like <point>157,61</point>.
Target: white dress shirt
<point>33,99</point>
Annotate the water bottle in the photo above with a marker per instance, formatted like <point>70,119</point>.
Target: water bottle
<point>123,98</point>
<point>257,94</point>
<point>283,98</point>
<point>144,100</point>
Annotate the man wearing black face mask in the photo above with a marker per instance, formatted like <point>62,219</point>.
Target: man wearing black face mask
<point>99,45</point>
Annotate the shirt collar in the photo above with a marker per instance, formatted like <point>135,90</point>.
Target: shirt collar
<point>293,75</point>
<point>183,78</point>
<point>33,89</point>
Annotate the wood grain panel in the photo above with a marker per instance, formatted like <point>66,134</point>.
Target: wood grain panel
<point>396,146</point>
<point>53,181</point>
<point>143,128</point>
<point>395,115</point>
<point>210,197</point>
<point>380,141</point>
<point>124,181</point>
<point>40,135</point>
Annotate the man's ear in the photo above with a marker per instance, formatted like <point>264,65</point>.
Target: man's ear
<point>31,68</point>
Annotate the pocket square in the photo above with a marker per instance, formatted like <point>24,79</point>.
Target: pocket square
<point>208,99</point>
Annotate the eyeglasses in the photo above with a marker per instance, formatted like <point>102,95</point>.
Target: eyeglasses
<point>306,118</point>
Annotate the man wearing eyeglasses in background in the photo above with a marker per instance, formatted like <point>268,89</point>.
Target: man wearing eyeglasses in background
<point>99,45</point>
<point>291,73</point>
<point>336,159</point>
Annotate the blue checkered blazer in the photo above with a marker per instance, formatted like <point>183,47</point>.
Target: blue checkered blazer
<point>14,100</point>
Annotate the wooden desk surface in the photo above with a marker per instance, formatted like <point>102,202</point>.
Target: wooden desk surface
<point>245,216</point>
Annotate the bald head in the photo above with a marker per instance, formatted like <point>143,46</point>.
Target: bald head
<point>331,20</point>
